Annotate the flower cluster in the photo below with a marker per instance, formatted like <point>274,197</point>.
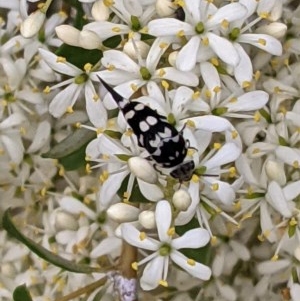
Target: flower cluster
<point>79,190</point>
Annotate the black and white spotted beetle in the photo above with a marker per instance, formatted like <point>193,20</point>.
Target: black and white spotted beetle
<point>165,145</point>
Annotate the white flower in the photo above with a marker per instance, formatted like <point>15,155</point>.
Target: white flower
<point>166,248</point>
<point>32,24</point>
<point>114,157</point>
<point>10,137</point>
<point>134,13</point>
<point>81,80</point>
<point>203,21</point>
<point>128,76</point>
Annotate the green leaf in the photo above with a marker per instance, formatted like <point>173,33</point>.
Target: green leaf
<point>112,42</point>
<point>40,251</point>
<point>71,151</point>
<point>21,293</point>
<point>79,56</point>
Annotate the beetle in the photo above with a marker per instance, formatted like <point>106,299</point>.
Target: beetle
<point>164,143</point>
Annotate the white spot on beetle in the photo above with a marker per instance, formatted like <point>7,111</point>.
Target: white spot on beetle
<point>151,120</point>
<point>130,114</point>
<point>139,107</point>
<point>144,127</point>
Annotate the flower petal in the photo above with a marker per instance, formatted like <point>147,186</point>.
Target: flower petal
<point>133,237</point>
<point>196,269</point>
<point>152,273</point>
<point>195,238</point>
<point>224,49</point>
<point>187,56</point>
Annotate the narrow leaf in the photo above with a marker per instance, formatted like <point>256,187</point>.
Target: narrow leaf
<point>45,254</point>
<point>21,293</point>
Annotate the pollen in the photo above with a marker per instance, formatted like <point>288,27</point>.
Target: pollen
<point>264,15</point>
<point>260,238</point>
<point>110,67</point>
<point>116,29</point>
<point>190,123</point>
<point>69,110</point>
<point>99,131</point>
<point>213,240</point>
<point>256,116</point>
<point>165,84</point>
<point>217,89</point>
<point>277,90</point>
<point>233,100</point>
<point>134,87</point>
<point>88,169</point>
<point>262,42</point>
<point>78,125</point>
<point>256,151</point>
<point>191,262</point>
<point>61,59</point>
<point>61,171</point>
<point>43,191</point>
<point>215,187</point>
<point>142,236</point>
<point>162,72</point>
<point>296,164</point>
<point>217,145</point>
<point>234,134</point>
<point>86,200</point>
<point>293,222</point>
<point>108,3</point>
<point>232,172</point>
<point>134,266</point>
<point>163,45</point>
<point>180,34</point>
<point>246,84</point>
<point>163,283</point>
<point>180,3</point>
<point>257,75</point>
<point>104,176</point>
<point>205,41</point>
<point>274,258</point>
<point>128,132</point>
<point>195,179</point>
<point>196,95</point>
<point>87,67</point>
<point>47,90</point>
<point>207,94</point>
<point>286,62</point>
<point>225,24</point>
<point>96,97</point>
<point>215,61</point>
<point>62,14</point>
<point>22,130</point>
<point>171,231</point>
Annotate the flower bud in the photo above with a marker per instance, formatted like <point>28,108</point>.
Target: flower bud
<point>172,58</point>
<point>164,8</point>
<point>181,200</point>
<point>100,11</point>
<point>32,24</point>
<point>122,213</point>
<point>297,253</point>
<point>141,46</point>
<point>142,169</point>
<point>68,34</point>
<point>89,40</point>
<point>8,270</point>
<point>65,221</point>
<point>147,219</point>
<point>275,29</point>
<point>275,172</point>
